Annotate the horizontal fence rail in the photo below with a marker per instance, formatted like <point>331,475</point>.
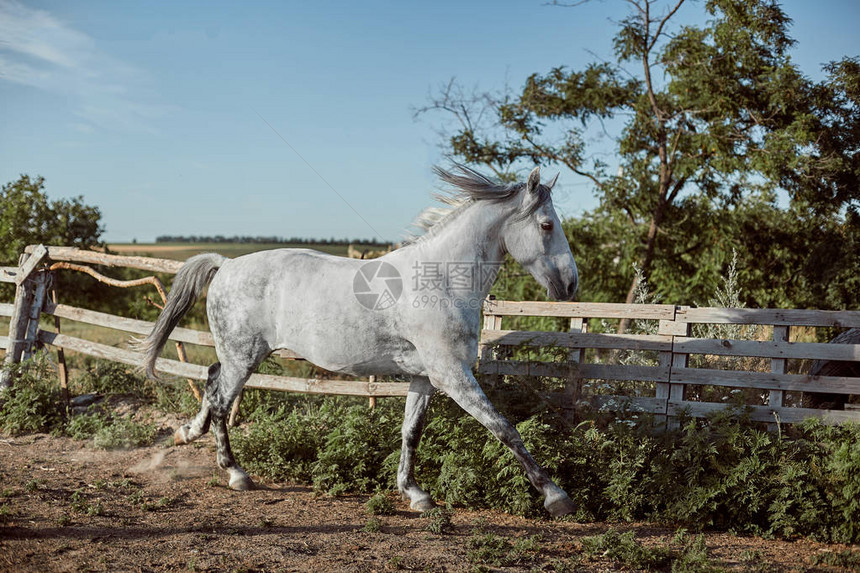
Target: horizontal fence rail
<point>666,365</point>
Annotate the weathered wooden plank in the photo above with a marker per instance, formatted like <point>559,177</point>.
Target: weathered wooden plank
<point>617,403</point>
<point>776,398</point>
<point>8,274</point>
<point>573,384</point>
<point>62,369</point>
<point>179,334</point>
<point>766,413</point>
<point>197,372</point>
<point>578,309</point>
<point>73,254</point>
<point>132,325</point>
<point>98,350</point>
<point>771,316</point>
<point>767,380</point>
<point>143,327</point>
<point>574,370</point>
<point>339,387</point>
<point>34,312</point>
<point>6,308</point>
<point>577,340</point>
<point>768,348</point>
<point>679,360</point>
<point>662,390</point>
<point>37,255</point>
<point>17,325</point>
<point>671,327</point>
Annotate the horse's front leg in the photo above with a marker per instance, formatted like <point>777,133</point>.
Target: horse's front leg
<point>459,383</point>
<point>417,402</point>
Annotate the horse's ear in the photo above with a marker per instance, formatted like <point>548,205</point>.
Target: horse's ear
<point>534,180</point>
<point>552,181</point>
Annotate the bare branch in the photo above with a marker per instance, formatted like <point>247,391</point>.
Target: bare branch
<point>565,4</point>
<point>547,154</point>
<point>659,31</point>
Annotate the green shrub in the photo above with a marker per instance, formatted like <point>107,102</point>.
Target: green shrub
<point>85,426</point>
<point>103,377</point>
<point>373,525</point>
<point>489,549</point>
<point>34,403</point>
<point>623,548</point>
<point>168,395</point>
<point>124,432</point>
<point>355,450</point>
<point>174,396</point>
<point>847,558</point>
<point>379,504</point>
<point>438,520</point>
<point>284,444</point>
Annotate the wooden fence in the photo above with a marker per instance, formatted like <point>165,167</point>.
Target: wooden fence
<point>684,360</point>
<point>674,360</point>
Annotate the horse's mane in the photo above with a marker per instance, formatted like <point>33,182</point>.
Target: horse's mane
<point>466,186</point>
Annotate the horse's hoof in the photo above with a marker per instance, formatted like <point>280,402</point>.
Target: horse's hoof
<point>422,504</point>
<point>241,483</point>
<point>560,507</point>
<point>180,436</point>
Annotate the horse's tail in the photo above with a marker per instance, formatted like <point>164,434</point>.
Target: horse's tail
<point>190,281</point>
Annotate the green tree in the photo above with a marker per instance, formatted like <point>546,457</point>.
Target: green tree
<point>716,119</point>
<point>28,217</point>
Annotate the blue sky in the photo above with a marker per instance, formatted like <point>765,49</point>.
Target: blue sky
<point>160,113</point>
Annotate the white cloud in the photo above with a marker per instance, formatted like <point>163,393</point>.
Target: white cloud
<point>39,50</point>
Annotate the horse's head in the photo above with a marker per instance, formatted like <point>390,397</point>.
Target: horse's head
<point>534,238</point>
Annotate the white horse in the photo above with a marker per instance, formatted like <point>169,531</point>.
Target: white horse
<point>415,311</point>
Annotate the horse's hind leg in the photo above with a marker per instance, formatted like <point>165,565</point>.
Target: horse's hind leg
<point>228,382</point>
<point>200,424</point>
<point>417,401</point>
<point>239,480</point>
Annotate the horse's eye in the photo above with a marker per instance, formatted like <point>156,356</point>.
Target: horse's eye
<point>546,225</point>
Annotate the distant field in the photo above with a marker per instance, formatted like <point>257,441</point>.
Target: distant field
<point>181,251</point>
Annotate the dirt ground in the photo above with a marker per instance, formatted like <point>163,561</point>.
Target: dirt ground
<point>66,506</point>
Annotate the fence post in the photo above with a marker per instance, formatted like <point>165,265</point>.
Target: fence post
<point>666,327</point>
<point>486,352</point>
<point>17,326</point>
<point>25,293</point>
<point>371,402</point>
<point>575,357</point>
<point>61,354</point>
<point>673,393</point>
<point>777,366</point>
<point>34,312</point>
